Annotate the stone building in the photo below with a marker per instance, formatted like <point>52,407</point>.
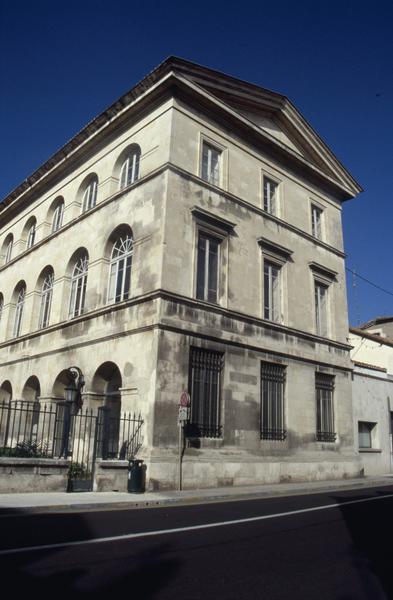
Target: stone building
<point>189,238</point>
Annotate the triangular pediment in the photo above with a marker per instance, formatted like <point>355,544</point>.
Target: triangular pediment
<point>273,114</point>
<point>270,126</point>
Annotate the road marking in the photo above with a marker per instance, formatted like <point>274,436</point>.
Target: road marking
<point>130,536</point>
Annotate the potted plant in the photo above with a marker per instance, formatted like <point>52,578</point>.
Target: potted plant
<point>79,478</point>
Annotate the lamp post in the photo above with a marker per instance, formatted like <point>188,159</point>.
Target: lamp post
<point>73,391</point>
<point>73,403</point>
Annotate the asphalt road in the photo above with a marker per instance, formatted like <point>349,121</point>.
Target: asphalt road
<point>322,546</point>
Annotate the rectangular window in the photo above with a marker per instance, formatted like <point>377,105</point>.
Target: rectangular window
<point>207,268</point>
<point>272,425</point>
<point>205,391</point>
<point>272,291</point>
<point>270,192</point>
<point>324,387</point>
<point>365,434</point>
<point>211,158</point>
<point>316,221</point>
<point>321,293</point>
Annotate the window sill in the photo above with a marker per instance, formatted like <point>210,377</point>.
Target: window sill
<point>371,450</point>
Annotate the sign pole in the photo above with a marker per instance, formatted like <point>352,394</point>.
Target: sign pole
<point>180,453</point>
<point>183,416</point>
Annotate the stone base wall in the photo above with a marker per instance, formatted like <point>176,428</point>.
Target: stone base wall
<point>19,475</point>
<point>198,474</point>
<point>111,476</point>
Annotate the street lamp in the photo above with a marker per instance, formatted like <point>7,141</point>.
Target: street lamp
<point>73,391</point>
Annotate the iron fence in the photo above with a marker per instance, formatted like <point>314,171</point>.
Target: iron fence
<point>58,430</point>
<point>27,429</point>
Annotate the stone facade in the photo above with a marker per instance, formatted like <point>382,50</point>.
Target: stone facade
<point>236,169</point>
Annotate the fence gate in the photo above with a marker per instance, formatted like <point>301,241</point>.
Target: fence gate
<point>80,429</point>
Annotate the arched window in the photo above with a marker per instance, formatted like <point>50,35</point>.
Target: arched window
<point>7,248</point>
<point>78,286</point>
<point>31,236</point>
<point>1,305</point>
<point>120,269</point>
<point>130,168</point>
<point>20,302</point>
<point>90,195</point>
<point>46,300</point>
<point>57,220</point>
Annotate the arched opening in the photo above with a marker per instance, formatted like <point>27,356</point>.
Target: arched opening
<point>29,232</point>
<point>6,391</point>
<point>62,380</point>
<point>126,168</point>
<point>119,250</point>
<point>56,213</point>
<point>18,302</point>
<point>87,193</point>
<point>106,386</point>
<point>30,414</point>
<point>6,249</point>
<point>44,287</point>
<point>32,389</point>
<point>77,269</point>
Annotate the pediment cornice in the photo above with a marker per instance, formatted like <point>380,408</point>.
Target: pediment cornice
<point>219,93</point>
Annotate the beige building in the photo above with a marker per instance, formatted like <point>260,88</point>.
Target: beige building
<point>189,239</point>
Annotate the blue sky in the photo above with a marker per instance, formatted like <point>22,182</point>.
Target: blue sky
<point>63,63</point>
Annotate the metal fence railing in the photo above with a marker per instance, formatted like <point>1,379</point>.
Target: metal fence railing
<point>57,430</point>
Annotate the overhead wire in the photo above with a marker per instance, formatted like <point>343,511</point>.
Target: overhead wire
<point>369,282</point>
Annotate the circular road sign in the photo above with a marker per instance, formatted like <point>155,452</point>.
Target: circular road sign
<point>185,399</point>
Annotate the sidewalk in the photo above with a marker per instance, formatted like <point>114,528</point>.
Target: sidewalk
<point>62,501</point>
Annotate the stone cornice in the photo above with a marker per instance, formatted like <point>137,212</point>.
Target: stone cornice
<point>161,294</point>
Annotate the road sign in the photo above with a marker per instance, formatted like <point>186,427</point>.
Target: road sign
<point>185,399</point>
<point>183,414</point>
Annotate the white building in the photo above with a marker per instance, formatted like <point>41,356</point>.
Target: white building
<point>372,355</point>
<point>189,238</point>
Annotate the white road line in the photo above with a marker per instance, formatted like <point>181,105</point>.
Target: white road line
<point>142,534</point>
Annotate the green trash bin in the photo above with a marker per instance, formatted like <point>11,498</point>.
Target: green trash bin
<point>136,477</point>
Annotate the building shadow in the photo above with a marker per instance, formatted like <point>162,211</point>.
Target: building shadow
<point>141,569</point>
<point>370,527</point>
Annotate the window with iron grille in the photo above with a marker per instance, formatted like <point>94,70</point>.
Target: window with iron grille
<point>272,426</point>
<point>324,387</point>
<point>205,391</point>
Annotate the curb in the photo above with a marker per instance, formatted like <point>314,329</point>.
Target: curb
<point>197,499</point>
